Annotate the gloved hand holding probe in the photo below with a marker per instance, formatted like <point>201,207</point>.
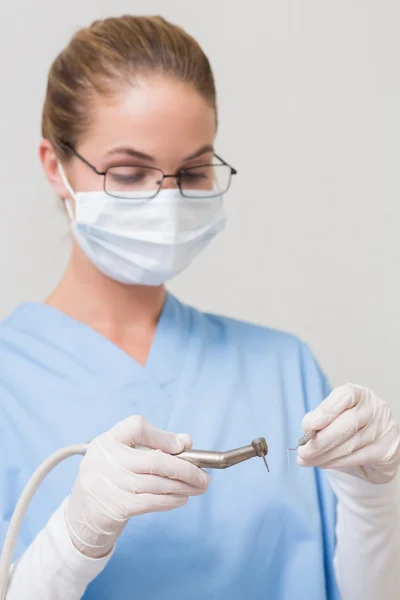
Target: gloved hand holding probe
<point>358,440</point>
<point>356,433</point>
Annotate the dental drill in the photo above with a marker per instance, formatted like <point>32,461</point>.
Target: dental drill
<point>203,459</point>
<point>206,459</point>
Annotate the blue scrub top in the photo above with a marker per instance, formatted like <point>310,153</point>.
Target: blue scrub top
<point>225,382</point>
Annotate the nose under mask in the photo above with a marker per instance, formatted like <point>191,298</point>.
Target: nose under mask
<point>136,241</point>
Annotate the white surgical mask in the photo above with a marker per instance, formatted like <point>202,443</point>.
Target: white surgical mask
<point>141,241</point>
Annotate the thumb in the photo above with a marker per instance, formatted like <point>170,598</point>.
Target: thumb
<point>186,440</point>
<point>136,430</point>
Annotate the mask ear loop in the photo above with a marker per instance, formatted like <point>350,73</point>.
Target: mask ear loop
<point>70,190</point>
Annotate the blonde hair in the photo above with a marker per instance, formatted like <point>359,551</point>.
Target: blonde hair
<point>106,56</point>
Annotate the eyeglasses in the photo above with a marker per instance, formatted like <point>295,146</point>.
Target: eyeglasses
<point>145,182</point>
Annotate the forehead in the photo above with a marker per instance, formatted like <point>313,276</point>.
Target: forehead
<point>153,115</point>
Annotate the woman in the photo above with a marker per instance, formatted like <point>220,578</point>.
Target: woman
<point>129,125</point>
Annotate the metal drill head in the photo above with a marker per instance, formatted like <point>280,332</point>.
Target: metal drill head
<point>261,448</point>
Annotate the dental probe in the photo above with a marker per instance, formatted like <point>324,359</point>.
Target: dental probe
<point>308,435</point>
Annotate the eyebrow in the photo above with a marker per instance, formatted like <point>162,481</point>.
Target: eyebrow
<point>143,156</point>
<point>203,150</point>
<point>130,152</point>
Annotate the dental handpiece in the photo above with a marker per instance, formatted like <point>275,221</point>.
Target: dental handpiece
<point>207,459</point>
<point>201,458</point>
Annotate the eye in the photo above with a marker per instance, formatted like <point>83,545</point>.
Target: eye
<point>132,178</point>
<point>195,174</point>
<point>198,178</point>
<point>127,174</point>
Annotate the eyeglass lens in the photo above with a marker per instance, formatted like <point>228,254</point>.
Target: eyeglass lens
<point>196,182</point>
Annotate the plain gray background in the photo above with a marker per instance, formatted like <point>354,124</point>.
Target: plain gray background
<point>309,97</point>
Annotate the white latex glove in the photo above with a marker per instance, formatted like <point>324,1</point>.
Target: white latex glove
<point>117,481</point>
<point>357,433</point>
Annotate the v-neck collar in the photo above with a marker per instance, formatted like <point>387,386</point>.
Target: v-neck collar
<point>166,356</point>
<point>168,350</point>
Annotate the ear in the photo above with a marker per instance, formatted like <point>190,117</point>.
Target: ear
<point>49,161</point>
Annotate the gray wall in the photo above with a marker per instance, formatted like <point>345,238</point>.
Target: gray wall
<point>309,95</point>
